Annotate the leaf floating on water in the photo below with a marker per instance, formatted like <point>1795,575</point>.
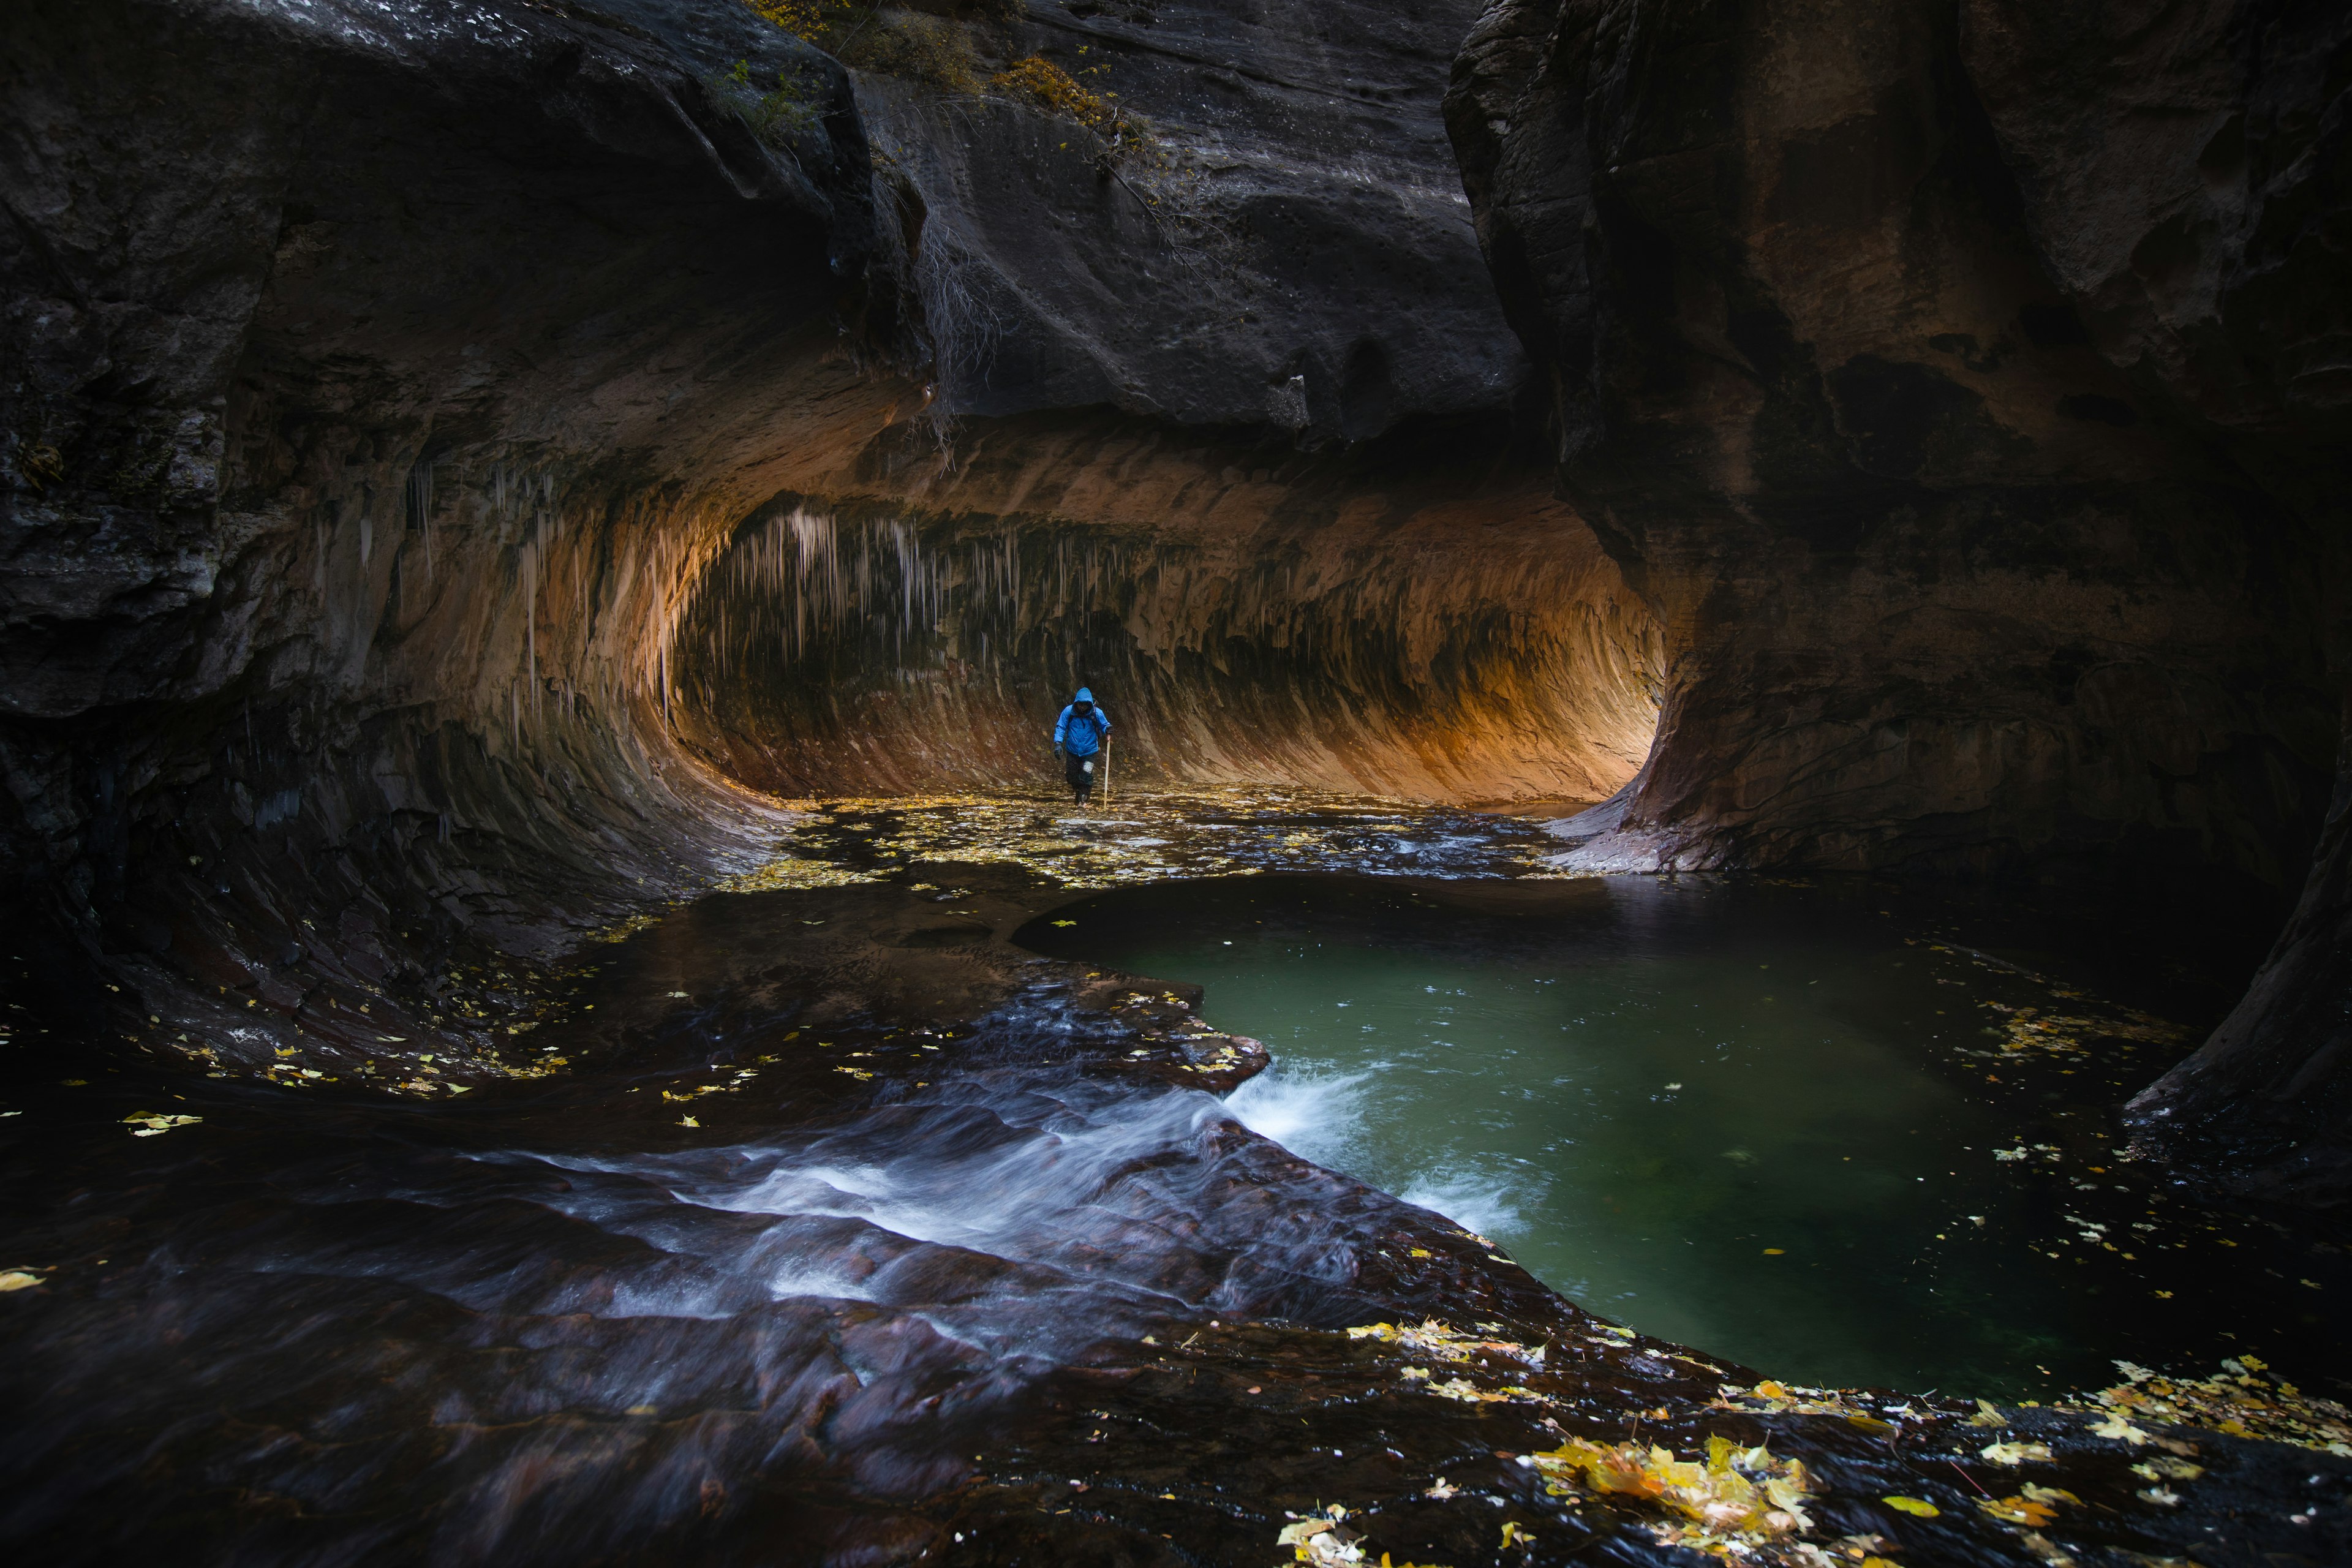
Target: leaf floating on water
<point>1065,922</point>
<point>17,1279</point>
<point>1917,1505</point>
<point>2018,1510</point>
<point>1988,1415</point>
<point>147,1124</point>
<point>2016,1453</point>
<point>1514,1536</point>
<point>687,1121</point>
<point>1441,1491</point>
<point>1321,1539</point>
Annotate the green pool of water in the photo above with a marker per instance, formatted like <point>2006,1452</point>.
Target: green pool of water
<point>1787,1124</point>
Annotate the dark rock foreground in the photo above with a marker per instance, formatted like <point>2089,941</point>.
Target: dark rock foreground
<point>461,464</point>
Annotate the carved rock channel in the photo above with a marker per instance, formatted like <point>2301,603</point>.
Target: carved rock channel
<point>471,467</point>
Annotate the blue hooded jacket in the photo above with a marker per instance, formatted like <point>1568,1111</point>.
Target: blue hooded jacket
<point>1081,734</point>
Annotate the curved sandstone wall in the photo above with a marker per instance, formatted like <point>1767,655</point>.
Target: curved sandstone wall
<point>384,377</point>
<point>1963,386</point>
<point>407,404</point>
<point>1302,628</point>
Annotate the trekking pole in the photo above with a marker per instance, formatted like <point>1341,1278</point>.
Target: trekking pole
<point>1105,749</point>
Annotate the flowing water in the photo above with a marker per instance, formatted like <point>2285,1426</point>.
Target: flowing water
<point>753,1269</point>
<point>1802,1127</point>
<point>569,1321</point>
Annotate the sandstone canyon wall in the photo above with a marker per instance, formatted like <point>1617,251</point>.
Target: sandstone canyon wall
<point>1963,385</point>
<point>457,457</point>
<point>394,387</point>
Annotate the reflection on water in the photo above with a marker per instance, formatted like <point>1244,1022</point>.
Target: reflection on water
<point>1769,1121</point>
<point>724,1288</point>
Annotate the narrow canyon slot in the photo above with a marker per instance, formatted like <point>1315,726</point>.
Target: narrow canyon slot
<point>1032,781</point>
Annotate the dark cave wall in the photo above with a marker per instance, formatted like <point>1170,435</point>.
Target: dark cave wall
<point>2187,177</point>
<point>1944,587</point>
<point>1961,385</point>
<point>1287,246</point>
<point>354,358</point>
<point>382,375</point>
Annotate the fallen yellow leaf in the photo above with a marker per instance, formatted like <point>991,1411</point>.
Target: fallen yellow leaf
<point>2120,1429</point>
<point>2015,1453</point>
<point>2018,1510</point>
<point>17,1279</point>
<point>1917,1505</point>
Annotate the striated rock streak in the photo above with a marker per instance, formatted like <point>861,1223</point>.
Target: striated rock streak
<point>388,377</point>
<point>1956,382</point>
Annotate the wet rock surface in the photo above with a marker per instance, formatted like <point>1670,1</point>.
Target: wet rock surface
<point>356,516</point>
<point>384,376</point>
<point>1889,345</point>
<point>1814,389</point>
<point>837,1244</point>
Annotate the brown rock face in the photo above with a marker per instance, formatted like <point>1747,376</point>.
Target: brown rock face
<point>397,392</point>
<point>2183,173</point>
<point>1955,384</point>
<point>1407,623</point>
<point>409,405</point>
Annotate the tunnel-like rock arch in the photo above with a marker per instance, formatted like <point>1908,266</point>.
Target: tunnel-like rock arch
<point>464,460</point>
<point>412,477</point>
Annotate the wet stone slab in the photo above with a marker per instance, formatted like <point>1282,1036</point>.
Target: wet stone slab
<point>850,1233</point>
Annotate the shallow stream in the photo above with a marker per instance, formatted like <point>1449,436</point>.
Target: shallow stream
<point>813,1222</point>
<point>1827,1130</point>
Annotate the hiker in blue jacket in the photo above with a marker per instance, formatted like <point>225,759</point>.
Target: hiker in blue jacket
<point>1080,736</point>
